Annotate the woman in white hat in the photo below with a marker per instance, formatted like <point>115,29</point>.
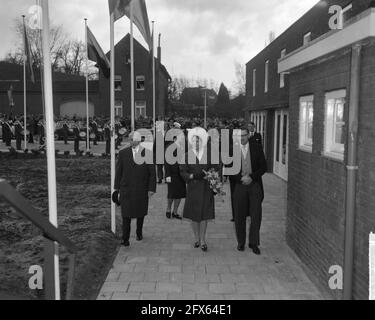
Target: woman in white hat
<point>200,202</point>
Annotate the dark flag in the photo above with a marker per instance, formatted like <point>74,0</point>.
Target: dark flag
<point>28,56</point>
<point>118,8</point>
<point>95,53</point>
<point>10,96</point>
<point>121,8</point>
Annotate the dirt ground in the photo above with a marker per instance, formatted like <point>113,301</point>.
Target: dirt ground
<point>83,191</point>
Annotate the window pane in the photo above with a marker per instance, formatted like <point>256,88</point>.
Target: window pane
<point>311,113</point>
<point>310,131</point>
<point>339,134</point>
<point>340,112</point>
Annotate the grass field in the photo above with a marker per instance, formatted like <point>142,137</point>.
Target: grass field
<point>83,191</point>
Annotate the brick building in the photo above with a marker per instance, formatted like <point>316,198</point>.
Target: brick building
<point>301,97</point>
<point>70,91</point>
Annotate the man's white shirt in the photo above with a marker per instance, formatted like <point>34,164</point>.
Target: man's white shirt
<point>245,150</point>
<point>199,154</point>
<point>135,151</point>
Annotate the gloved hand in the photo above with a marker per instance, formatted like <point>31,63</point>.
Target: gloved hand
<point>116,198</point>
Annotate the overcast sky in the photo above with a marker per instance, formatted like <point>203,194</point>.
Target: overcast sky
<point>200,38</point>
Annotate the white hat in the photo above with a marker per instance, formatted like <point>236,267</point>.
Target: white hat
<point>177,125</point>
<point>198,132</point>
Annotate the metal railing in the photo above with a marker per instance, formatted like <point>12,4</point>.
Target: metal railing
<point>50,233</point>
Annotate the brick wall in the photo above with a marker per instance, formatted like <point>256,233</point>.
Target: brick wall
<point>317,185</point>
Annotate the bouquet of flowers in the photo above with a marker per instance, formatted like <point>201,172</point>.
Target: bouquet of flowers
<point>213,178</point>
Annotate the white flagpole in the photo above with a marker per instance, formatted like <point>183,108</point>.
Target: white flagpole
<point>87,91</point>
<point>24,89</point>
<point>205,109</point>
<point>112,94</point>
<point>153,77</point>
<point>132,66</point>
<point>50,141</point>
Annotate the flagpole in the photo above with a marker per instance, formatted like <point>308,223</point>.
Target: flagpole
<point>51,162</point>
<point>132,66</point>
<point>87,92</point>
<point>24,87</point>
<point>205,108</point>
<point>112,102</point>
<point>153,77</point>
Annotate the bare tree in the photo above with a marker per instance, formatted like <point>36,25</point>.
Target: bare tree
<point>239,84</point>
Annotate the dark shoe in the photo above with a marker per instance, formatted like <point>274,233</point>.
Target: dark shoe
<point>139,237</point>
<point>197,245</point>
<point>125,243</point>
<point>176,216</point>
<point>255,250</point>
<point>169,215</point>
<point>241,248</point>
<point>204,248</point>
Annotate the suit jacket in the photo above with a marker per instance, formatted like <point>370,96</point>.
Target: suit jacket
<point>256,138</point>
<point>134,182</point>
<point>258,164</point>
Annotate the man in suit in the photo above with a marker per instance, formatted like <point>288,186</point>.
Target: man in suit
<point>135,184</point>
<point>66,131</point>
<point>248,192</point>
<point>255,137</point>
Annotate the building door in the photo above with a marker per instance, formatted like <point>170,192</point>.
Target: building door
<point>281,150</point>
<point>260,121</point>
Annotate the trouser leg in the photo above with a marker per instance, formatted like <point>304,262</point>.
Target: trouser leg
<point>126,227</point>
<point>241,209</point>
<point>140,222</point>
<point>232,186</point>
<point>255,214</point>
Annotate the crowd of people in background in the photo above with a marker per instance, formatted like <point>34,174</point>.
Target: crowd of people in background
<point>75,128</point>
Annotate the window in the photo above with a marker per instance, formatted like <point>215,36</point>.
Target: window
<point>254,82</point>
<point>119,108</point>
<point>118,83</point>
<point>260,121</point>
<point>266,72</point>
<point>306,38</point>
<point>306,121</point>
<point>140,83</point>
<point>282,75</point>
<point>334,135</point>
<point>140,109</point>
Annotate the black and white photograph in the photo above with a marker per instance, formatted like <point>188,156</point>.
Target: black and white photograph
<point>195,153</point>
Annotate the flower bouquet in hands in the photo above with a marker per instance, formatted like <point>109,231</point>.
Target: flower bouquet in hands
<point>213,178</point>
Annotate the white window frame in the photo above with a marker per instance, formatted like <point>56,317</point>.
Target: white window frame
<point>306,103</point>
<point>118,78</point>
<point>332,100</point>
<point>119,108</point>
<point>282,74</point>
<point>266,75</point>
<point>141,104</point>
<point>254,82</point>
<point>307,38</point>
<point>138,79</point>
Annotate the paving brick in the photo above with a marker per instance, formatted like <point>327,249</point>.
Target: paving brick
<point>183,296</point>
<point>142,287</point>
<point>219,288</point>
<point>132,276</point>
<point>154,296</point>
<point>157,276</point>
<point>125,296</point>
<point>170,268</point>
<point>115,286</point>
<point>169,287</point>
<point>183,277</point>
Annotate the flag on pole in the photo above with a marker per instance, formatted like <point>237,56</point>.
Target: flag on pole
<point>96,53</point>
<point>140,17</point>
<point>28,56</point>
<point>118,8</point>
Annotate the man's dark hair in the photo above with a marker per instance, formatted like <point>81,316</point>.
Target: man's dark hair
<point>252,123</point>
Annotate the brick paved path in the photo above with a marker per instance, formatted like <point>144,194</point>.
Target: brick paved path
<point>166,266</point>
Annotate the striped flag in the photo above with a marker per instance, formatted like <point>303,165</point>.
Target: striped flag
<point>122,7</point>
<point>28,56</point>
<point>96,53</point>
